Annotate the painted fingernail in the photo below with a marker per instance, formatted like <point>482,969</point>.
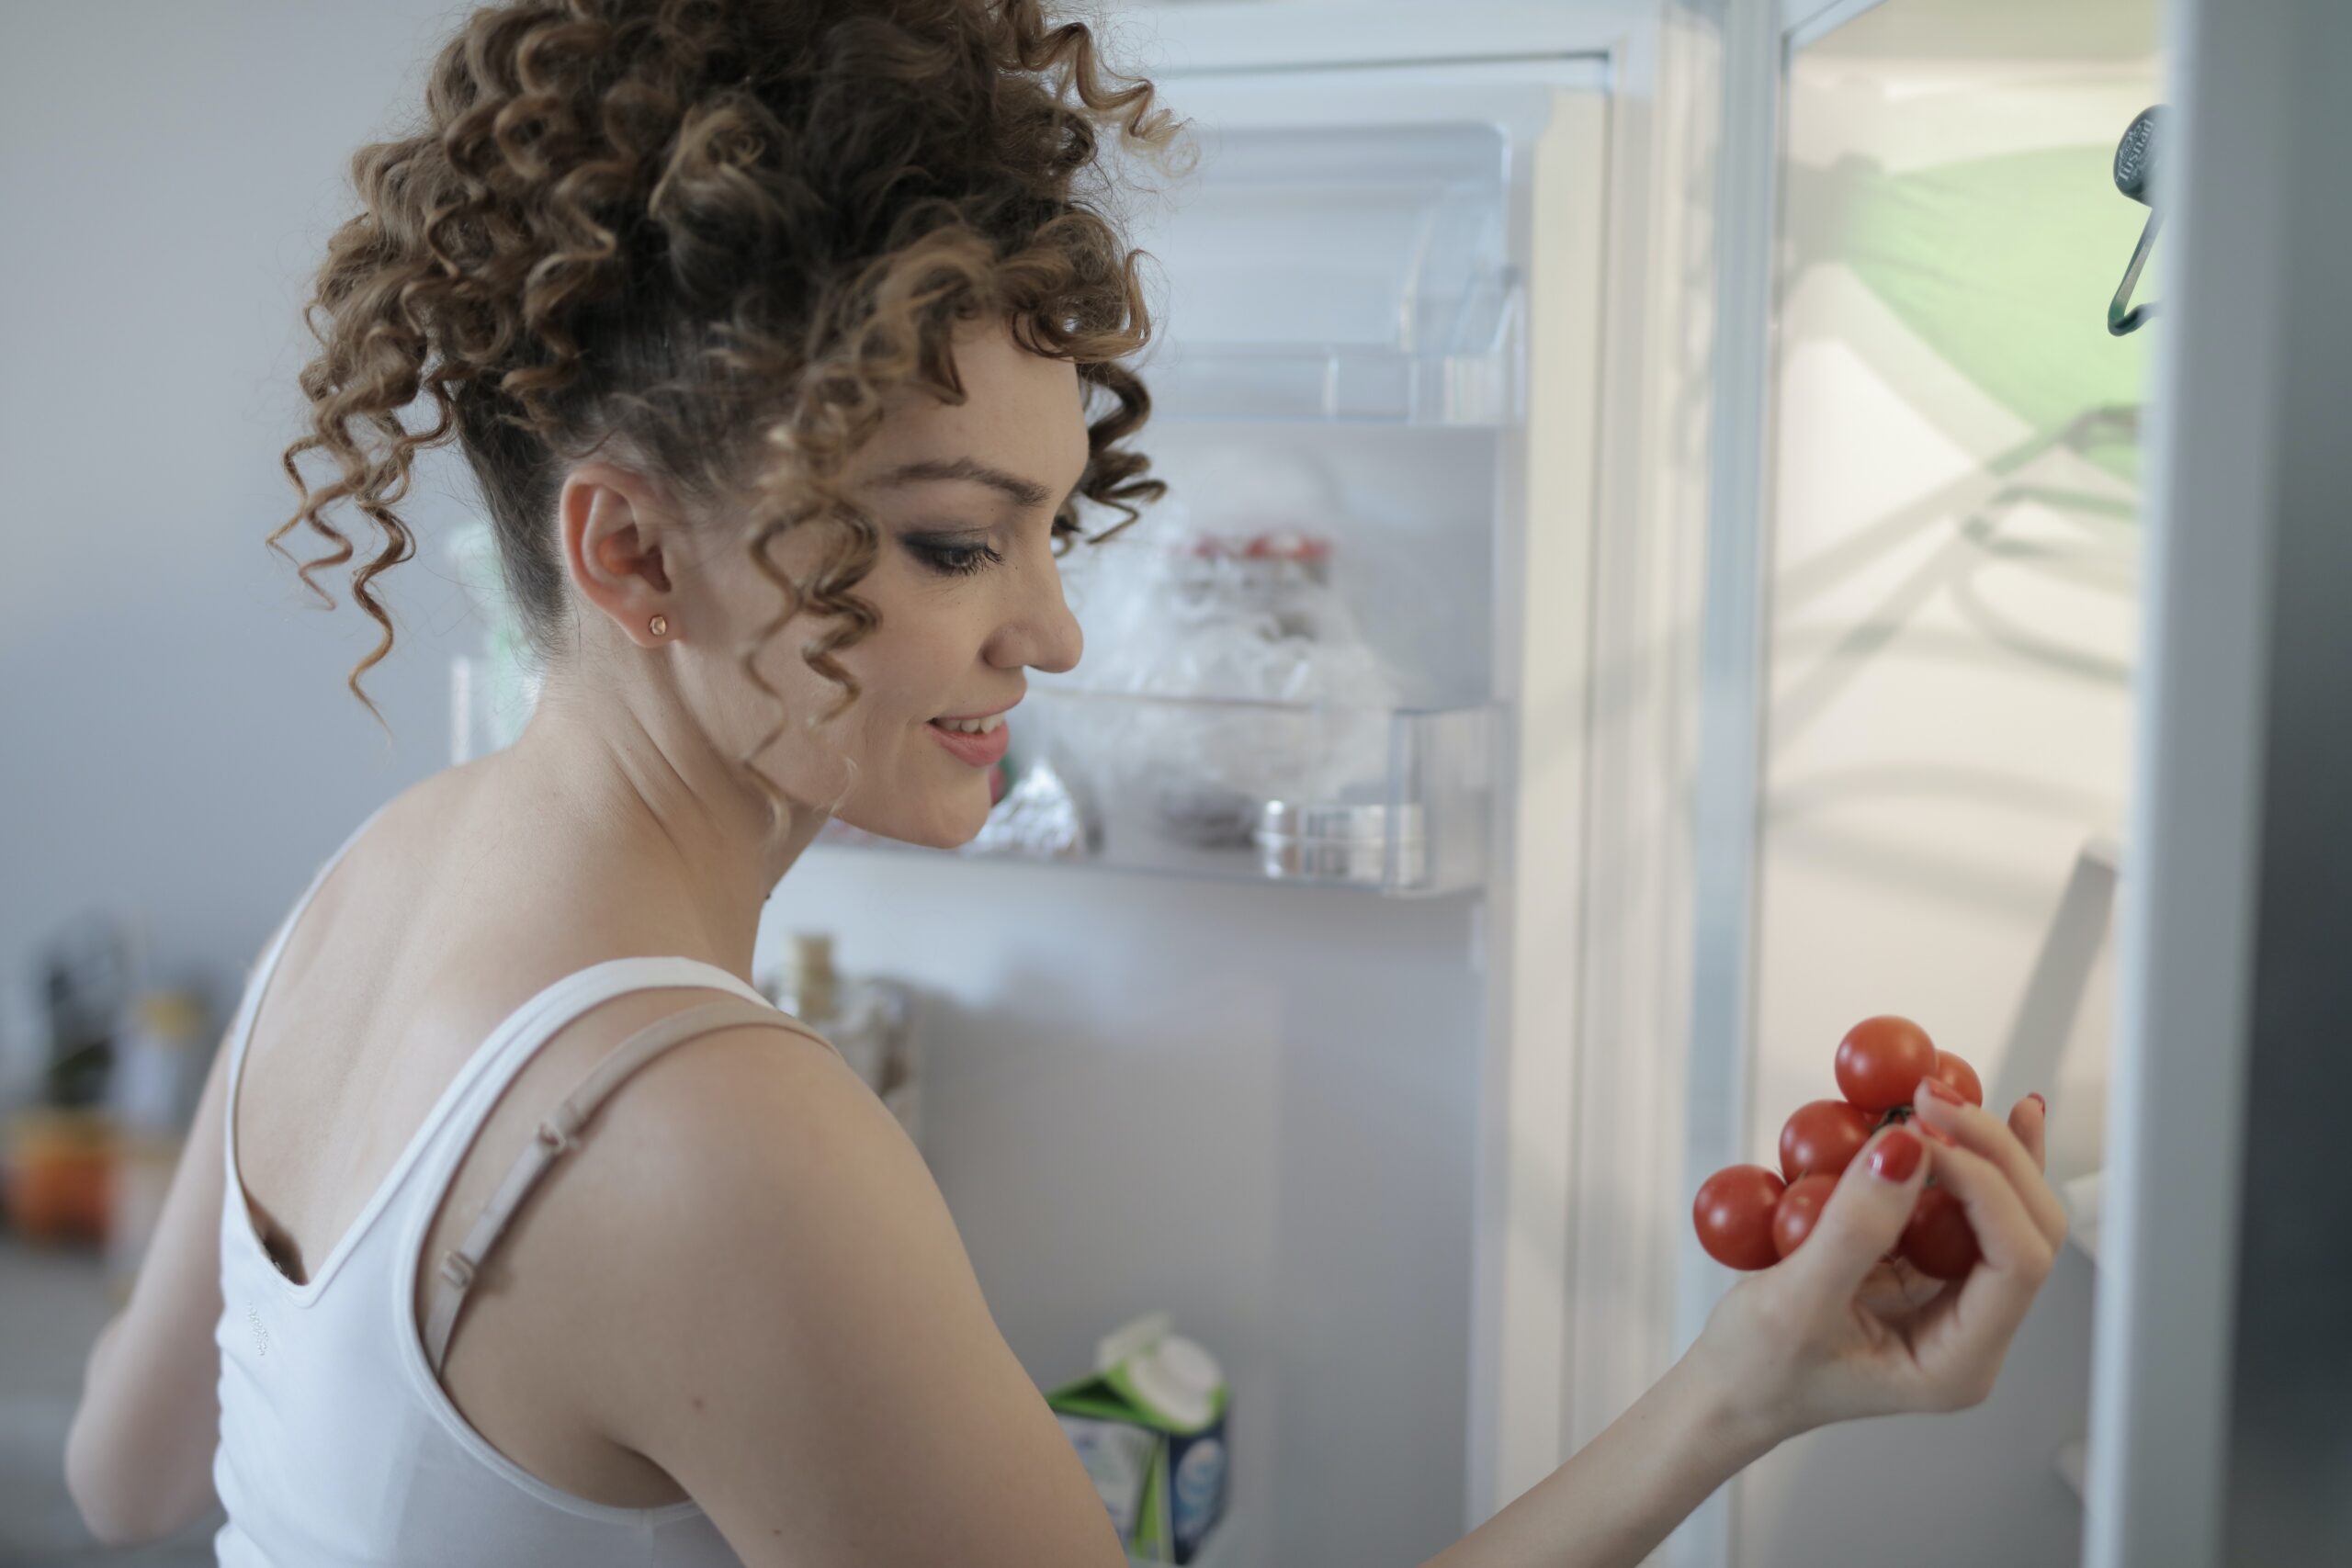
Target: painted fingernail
<point>1940,1090</point>
<point>1896,1157</point>
<point>2040,1104</point>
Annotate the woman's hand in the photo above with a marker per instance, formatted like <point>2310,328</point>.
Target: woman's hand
<point>1837,1331</point>
<point>1833,1331</point>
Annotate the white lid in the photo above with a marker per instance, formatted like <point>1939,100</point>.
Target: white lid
<point>1130,1339</point>
<point>1179,1378</point>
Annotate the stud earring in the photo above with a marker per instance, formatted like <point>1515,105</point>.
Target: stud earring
<point>659,625</point>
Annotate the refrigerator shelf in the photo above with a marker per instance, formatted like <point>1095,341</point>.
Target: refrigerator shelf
<point>1340,273</point>
<point>1340,383</point>
<point>1388,800</point>
<point>2082,1198</point>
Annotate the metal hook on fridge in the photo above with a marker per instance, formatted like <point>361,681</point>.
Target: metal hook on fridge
<point>2133,171</point>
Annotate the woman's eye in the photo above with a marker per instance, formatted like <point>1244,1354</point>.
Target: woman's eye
<point>953,559</point>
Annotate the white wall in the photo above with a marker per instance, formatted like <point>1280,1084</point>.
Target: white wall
<point>179,745</point>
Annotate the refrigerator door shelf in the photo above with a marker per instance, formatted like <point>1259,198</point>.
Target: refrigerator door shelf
<point>1219,788</point>
<point>2084,1198</point>
<point>1339,383</point>
<point>1350,272</point>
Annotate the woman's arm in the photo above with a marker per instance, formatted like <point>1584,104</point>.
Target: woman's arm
<point>139,1456</point>
<point>1620,1495</point>
<point>1823,1337</point>
<point>798,1340</point>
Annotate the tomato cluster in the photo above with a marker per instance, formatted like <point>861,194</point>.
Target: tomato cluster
<point>1751,1217</point>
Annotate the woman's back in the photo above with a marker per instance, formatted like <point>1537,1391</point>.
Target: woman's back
<point>399,1001</point>
<point>407,1035</point>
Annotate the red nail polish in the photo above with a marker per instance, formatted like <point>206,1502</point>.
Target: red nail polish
<point>2039,1103</point>
<point>1896,1157</point>
<point>1941,1090</point>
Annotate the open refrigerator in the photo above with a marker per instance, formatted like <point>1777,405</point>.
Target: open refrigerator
<point>1707,414</point>
<point>1167,1070</point>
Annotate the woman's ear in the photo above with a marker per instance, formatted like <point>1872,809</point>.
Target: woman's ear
<point>614,534</point>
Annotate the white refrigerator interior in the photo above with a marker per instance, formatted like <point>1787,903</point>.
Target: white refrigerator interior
<point>1157,1078</point>
<point>1952,546</point>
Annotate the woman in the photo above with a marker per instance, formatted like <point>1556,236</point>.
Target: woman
<point>771,333</point>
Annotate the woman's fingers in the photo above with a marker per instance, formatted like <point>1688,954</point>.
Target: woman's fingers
<point>1861,1223</point>
<point>1971,1326</point>
<point>2028,1118</point>
<point>2007,1232</point>
<point>1894,1298</point>
<point>1885,1292</point>
<point>1975,1131</point>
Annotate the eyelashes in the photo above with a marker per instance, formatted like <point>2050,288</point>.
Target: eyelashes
<point>951,558</point>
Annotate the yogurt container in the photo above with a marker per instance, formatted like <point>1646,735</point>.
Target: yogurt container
<point>1149,1425</point>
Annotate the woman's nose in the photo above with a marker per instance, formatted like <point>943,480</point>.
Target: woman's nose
<point>1043,635</point>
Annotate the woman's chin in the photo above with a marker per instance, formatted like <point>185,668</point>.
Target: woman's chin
<point>949,825</point>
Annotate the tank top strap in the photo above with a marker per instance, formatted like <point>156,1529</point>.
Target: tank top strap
<point>240,1027</point>
<point>523,1033</point>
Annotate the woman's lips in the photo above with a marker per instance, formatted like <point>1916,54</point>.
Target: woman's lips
<point>980,750</point>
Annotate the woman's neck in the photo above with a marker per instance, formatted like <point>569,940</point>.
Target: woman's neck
<point>679,831</point>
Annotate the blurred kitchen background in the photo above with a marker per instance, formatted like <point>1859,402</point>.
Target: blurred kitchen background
<point>168,171</point>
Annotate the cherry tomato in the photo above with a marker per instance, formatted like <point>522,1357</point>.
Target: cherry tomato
<point>1823,1137</point>
<point>1938,1239</point>
<point>1962,1077</point>
<point>1792,1218</point>
<point>1881,1060</point>
<point>1733,1213</point>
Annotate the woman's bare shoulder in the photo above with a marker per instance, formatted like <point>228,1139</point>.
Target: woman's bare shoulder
<point>722,1092</point>
<point>725,1091</point>
<point>722,1140</point>
<point>636,1266</point>
<point>656,1146</point>
<point>690,1159</point>
<point>802,1343</point>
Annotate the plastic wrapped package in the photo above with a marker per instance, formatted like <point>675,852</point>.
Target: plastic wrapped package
<point>1253,625</point>
<point>1039,816</point>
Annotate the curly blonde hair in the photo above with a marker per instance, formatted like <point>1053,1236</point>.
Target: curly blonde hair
<point>715,234</point>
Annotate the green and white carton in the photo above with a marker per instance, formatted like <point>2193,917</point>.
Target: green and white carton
<point>1149,1425</point>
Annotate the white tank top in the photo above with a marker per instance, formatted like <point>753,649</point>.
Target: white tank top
<point>338,1445</point>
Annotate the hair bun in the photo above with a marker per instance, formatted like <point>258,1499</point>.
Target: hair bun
<point>709,238</point>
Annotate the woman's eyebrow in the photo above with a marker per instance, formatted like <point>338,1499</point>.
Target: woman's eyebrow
<point>1028,492</point>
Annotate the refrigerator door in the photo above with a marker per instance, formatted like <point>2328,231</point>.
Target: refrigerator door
<point>2218,1431</point>
<point>1927,706</point>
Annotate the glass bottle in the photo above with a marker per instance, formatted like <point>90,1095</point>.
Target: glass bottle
<point>865,1018</point>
